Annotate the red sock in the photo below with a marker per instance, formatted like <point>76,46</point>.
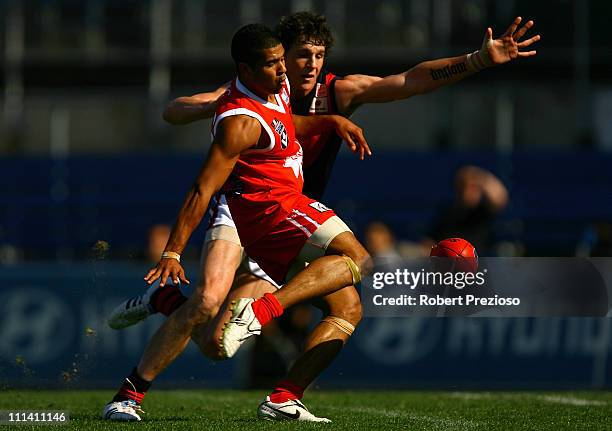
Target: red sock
<point>267,308</point>
<point>134,388</point>
<point>167,299</point>
<point>285,391</point>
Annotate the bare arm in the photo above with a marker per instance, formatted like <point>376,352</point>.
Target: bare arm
<point>187,109</point>
<point>493,190</point>
<point>234,135</point>
<point>344,128</point>
<point>356,90</point>
<point>427,76</point>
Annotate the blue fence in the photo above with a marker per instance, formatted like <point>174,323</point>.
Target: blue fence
<point>62,206</point>
<point>52,333</point>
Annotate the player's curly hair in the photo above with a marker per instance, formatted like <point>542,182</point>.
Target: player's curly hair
<point>303,27</point>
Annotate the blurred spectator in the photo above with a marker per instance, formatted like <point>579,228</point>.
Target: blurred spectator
<point>157,240</point>
<point>479,197</point>
<point>385,250</point>
<point>9,255</point>
<point>380,242</point>
<point>596,241</point>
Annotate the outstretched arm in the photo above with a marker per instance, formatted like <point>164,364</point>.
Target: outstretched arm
<point>234,135</point>
<point>427,76</point>
<point>343,127</point>
<point>187,109</point>
<point>493,190</point>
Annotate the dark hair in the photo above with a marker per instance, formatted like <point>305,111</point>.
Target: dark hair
<point>304,27</point>
<point>249,41</point>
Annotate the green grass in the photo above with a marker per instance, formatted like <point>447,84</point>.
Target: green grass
<point>349,410</point>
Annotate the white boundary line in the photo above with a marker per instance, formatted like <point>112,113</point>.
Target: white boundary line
<point>570,401</point>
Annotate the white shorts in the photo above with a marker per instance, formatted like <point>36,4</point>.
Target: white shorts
<point>222,226</point>
<point>220,213</point>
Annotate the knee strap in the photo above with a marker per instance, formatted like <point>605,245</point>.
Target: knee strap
<point>341,324</point>
<point>355,272</point>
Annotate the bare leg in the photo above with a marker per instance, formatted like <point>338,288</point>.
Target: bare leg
<point>326,340</point>
<point>326,274</point>
<point>330,278</point>
<point>246,285</point>
<point>219,263</point>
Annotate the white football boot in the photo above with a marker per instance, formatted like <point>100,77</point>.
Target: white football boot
<point>292,410</point>
<point>122,411</point>
<point>242,326</point>
<point>133,310</point>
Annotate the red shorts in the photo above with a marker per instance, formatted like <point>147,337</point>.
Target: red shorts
<point>276,251</point>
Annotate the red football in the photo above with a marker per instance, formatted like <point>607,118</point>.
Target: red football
<point>462,253</point>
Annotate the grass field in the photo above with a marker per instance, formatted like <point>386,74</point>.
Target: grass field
<point>349,410</point>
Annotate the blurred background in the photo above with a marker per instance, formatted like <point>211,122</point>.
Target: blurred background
<point>90,177</point>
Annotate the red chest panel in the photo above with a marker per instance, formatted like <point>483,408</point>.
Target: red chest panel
<point>265,181</point>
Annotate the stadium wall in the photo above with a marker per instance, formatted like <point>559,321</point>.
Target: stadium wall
<point>57,208</point>
<point>53,334</point>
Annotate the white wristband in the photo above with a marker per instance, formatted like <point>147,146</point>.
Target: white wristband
<point>171,255</point>
<point>476,62</point>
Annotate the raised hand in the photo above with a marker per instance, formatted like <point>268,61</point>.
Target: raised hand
<point>509,46</point>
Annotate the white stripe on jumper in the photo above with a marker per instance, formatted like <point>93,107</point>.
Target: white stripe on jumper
<point>302,228</point>
<point>307,218</point>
